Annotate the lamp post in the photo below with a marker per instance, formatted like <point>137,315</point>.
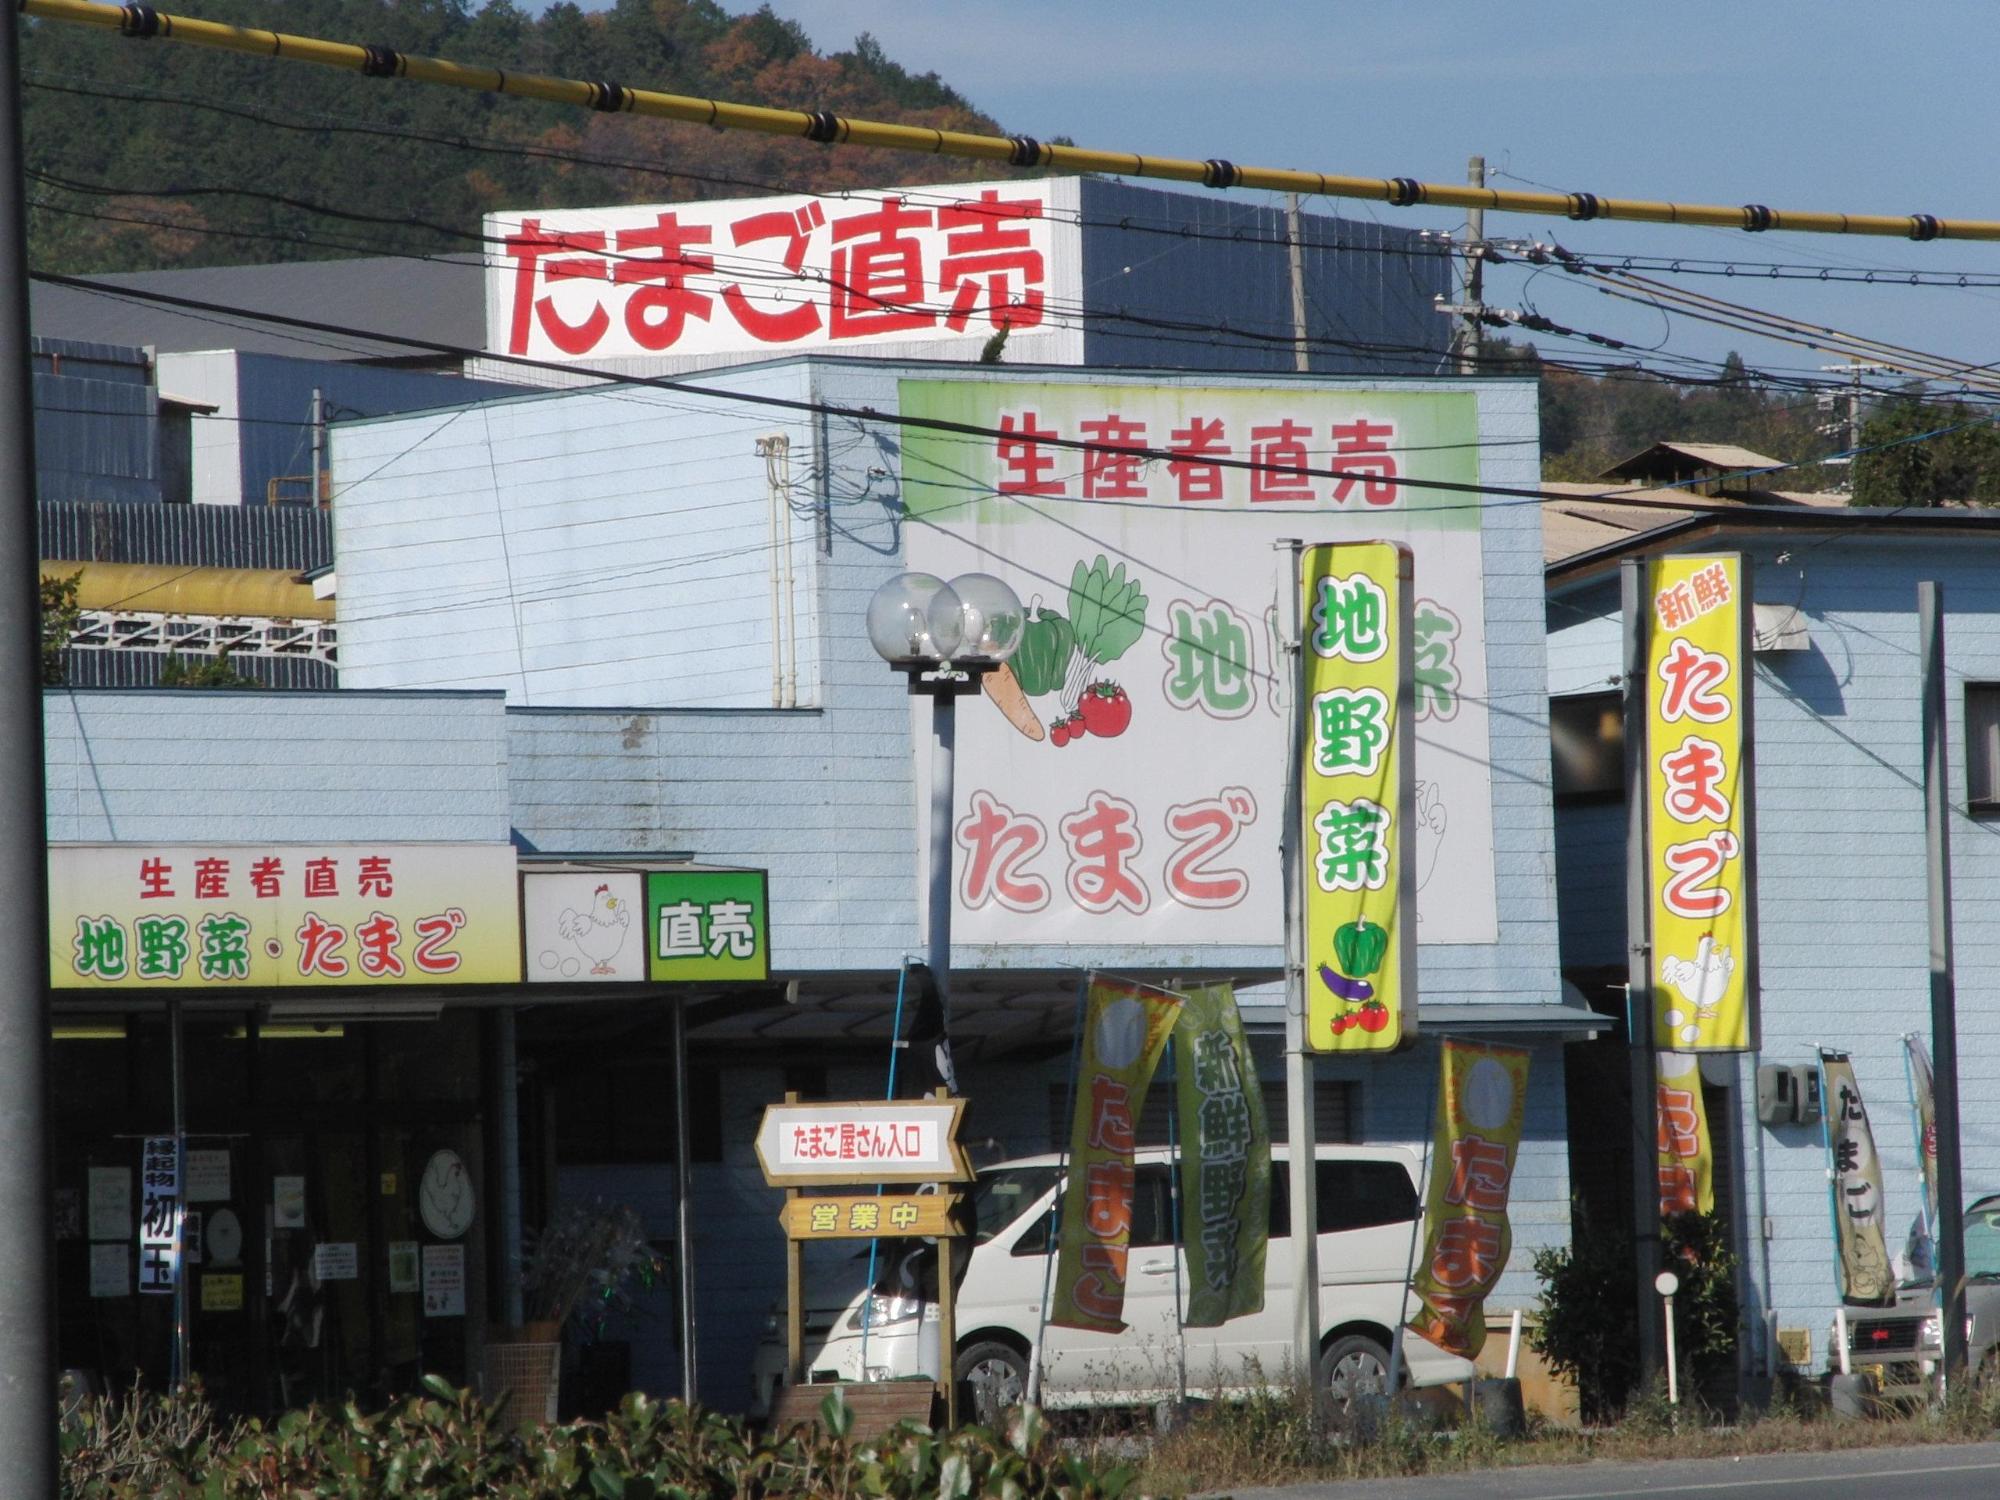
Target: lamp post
<point>943,637</point>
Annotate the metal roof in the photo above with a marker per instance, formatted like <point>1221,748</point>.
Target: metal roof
<point>1582,518</point>
<point>1679,460</point>
<point>437,298</point>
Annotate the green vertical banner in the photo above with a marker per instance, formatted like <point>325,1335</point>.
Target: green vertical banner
<point>1225,1159</point>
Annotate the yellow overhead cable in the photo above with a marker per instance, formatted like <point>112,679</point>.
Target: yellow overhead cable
<point>142,21</point>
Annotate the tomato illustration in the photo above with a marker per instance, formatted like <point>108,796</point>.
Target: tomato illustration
<point>1374,1016</point>
<point>1105,709</point>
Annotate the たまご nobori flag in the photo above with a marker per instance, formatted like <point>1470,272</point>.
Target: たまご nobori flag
<point>1687,1164</point>
<point>1861,1249</point>
<point>1225,1159</point>
<point>1698,806</point>
<point>1357,796</point>
<point>1482,1091</point>
<point>1125,1028</point>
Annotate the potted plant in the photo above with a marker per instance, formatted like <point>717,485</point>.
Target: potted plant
<point>584,1266</point>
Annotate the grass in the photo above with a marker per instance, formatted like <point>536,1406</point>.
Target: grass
<point>1266,1440</point>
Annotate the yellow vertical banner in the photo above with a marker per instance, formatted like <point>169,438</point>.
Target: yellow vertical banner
<point>1699,823</point>
<point>1687,1165</point>
<point>1357,795</point>
<point>1125,1029</point>
<point>1482,1092</point>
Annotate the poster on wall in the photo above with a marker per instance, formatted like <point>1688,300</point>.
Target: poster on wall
<point>1698,816</point>
<point>136,916</point>
<point>1122,779</point>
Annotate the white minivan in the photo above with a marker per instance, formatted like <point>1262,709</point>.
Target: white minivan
<point>1367,1206</point>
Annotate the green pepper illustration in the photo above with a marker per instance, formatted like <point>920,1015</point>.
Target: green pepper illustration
<point>1360,946</point>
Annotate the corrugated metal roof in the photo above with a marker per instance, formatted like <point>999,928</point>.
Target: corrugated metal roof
<point>440,298</point>
<point>1678,460</point>
<point>1572,527</point>
<point>297,539</point>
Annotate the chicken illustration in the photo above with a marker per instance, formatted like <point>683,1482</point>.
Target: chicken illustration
<point>1701,980</point>
<point>599,932</point>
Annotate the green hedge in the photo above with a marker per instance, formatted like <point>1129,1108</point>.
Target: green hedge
<point>446,1443</point>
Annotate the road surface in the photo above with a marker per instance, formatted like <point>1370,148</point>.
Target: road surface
<point>1936,1472</point>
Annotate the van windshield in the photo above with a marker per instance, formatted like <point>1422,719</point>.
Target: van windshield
<point>1002,1195</point>
<point>1982,1238</point>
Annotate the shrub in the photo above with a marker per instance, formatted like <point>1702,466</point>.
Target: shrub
<point>446,1443</point>
<point>1588,1329</point>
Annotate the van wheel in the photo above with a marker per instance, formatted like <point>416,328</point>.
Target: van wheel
<point>992,1380</point>
<point>1352,1369</point>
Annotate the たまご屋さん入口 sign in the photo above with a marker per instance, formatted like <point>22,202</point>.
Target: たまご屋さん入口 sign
<point>872,1215</point>
<point>135,916</point>
<point>830,1145</point>
<point>708,925</point>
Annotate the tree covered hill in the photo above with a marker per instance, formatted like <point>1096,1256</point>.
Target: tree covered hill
<point>155,154</point>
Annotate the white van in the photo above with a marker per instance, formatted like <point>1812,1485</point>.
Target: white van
<point>1367,1205</point>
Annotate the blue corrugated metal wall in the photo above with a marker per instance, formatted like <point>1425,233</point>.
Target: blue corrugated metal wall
<point>96,423</point>
<point>1218,262</point>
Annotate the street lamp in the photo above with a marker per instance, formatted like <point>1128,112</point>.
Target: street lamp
<point>944,637</point>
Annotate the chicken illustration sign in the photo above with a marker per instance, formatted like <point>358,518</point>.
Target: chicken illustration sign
<point>584,926</point>
<point>1698,813</point>
<point>1123,783</point>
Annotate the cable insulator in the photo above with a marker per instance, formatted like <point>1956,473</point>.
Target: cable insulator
<point>1217,173</point>
<point>141,21</point>
<point>1403,191</point>
<point>1925,227</point>
<point>380,62</point>
<point>1027,151</point>
<point>1585,205</point>
<point>1757,218</point>
<point>823,127</point>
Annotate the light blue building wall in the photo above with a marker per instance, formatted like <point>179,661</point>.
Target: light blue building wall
<point>1842,934</point>
<point>606,557</point>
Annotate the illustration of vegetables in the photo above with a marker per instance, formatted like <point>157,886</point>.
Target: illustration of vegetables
<point>1003,685</point>
<point>1066,654</point>
<point>1359,948</point>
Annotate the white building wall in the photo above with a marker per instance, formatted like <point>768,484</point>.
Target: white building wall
<point>210,377</point>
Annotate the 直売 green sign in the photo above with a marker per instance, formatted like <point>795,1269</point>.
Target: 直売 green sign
<point>707,925</point>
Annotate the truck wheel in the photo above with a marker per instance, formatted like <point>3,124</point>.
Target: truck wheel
<point>992,1380</point>
<point>1353,1369</point>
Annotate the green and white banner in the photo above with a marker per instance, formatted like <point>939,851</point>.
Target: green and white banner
<point>1225,1159</point>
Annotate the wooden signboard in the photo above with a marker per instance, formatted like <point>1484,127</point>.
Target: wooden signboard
<point>875,1141</point>
<point>869,1216</point>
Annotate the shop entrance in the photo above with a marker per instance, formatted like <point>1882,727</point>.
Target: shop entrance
<point>336,1233</point>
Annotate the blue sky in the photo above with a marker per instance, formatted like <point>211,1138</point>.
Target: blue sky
<point>1863,108</point>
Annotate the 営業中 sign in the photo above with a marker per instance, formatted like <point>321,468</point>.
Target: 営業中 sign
<point>864,1216</point>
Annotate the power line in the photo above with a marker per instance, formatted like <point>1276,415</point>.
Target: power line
<point>141,21</point>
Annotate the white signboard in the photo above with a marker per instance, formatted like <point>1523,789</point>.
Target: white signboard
<point>444,1281</point>
<point>1123,781</point>
<point>585,928</point>
<point>856,1143</point>
<point>765,276</point>
<point>159,1214</point>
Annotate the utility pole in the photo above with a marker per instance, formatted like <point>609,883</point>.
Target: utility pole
<point>1639,1006</point>
<point>1944,1005</point>
<point>1854,370</point>
<point>1473,285</point>
<point>27,1290</point>
<point>1295,243</point>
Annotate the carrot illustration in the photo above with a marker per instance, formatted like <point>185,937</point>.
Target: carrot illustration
<point>1004,688</point>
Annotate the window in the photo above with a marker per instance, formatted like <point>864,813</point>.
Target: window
<point>1982,747</point>
<point>1351,1195</point>
<point>1587,745</point>
<point>1152,1215</point>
